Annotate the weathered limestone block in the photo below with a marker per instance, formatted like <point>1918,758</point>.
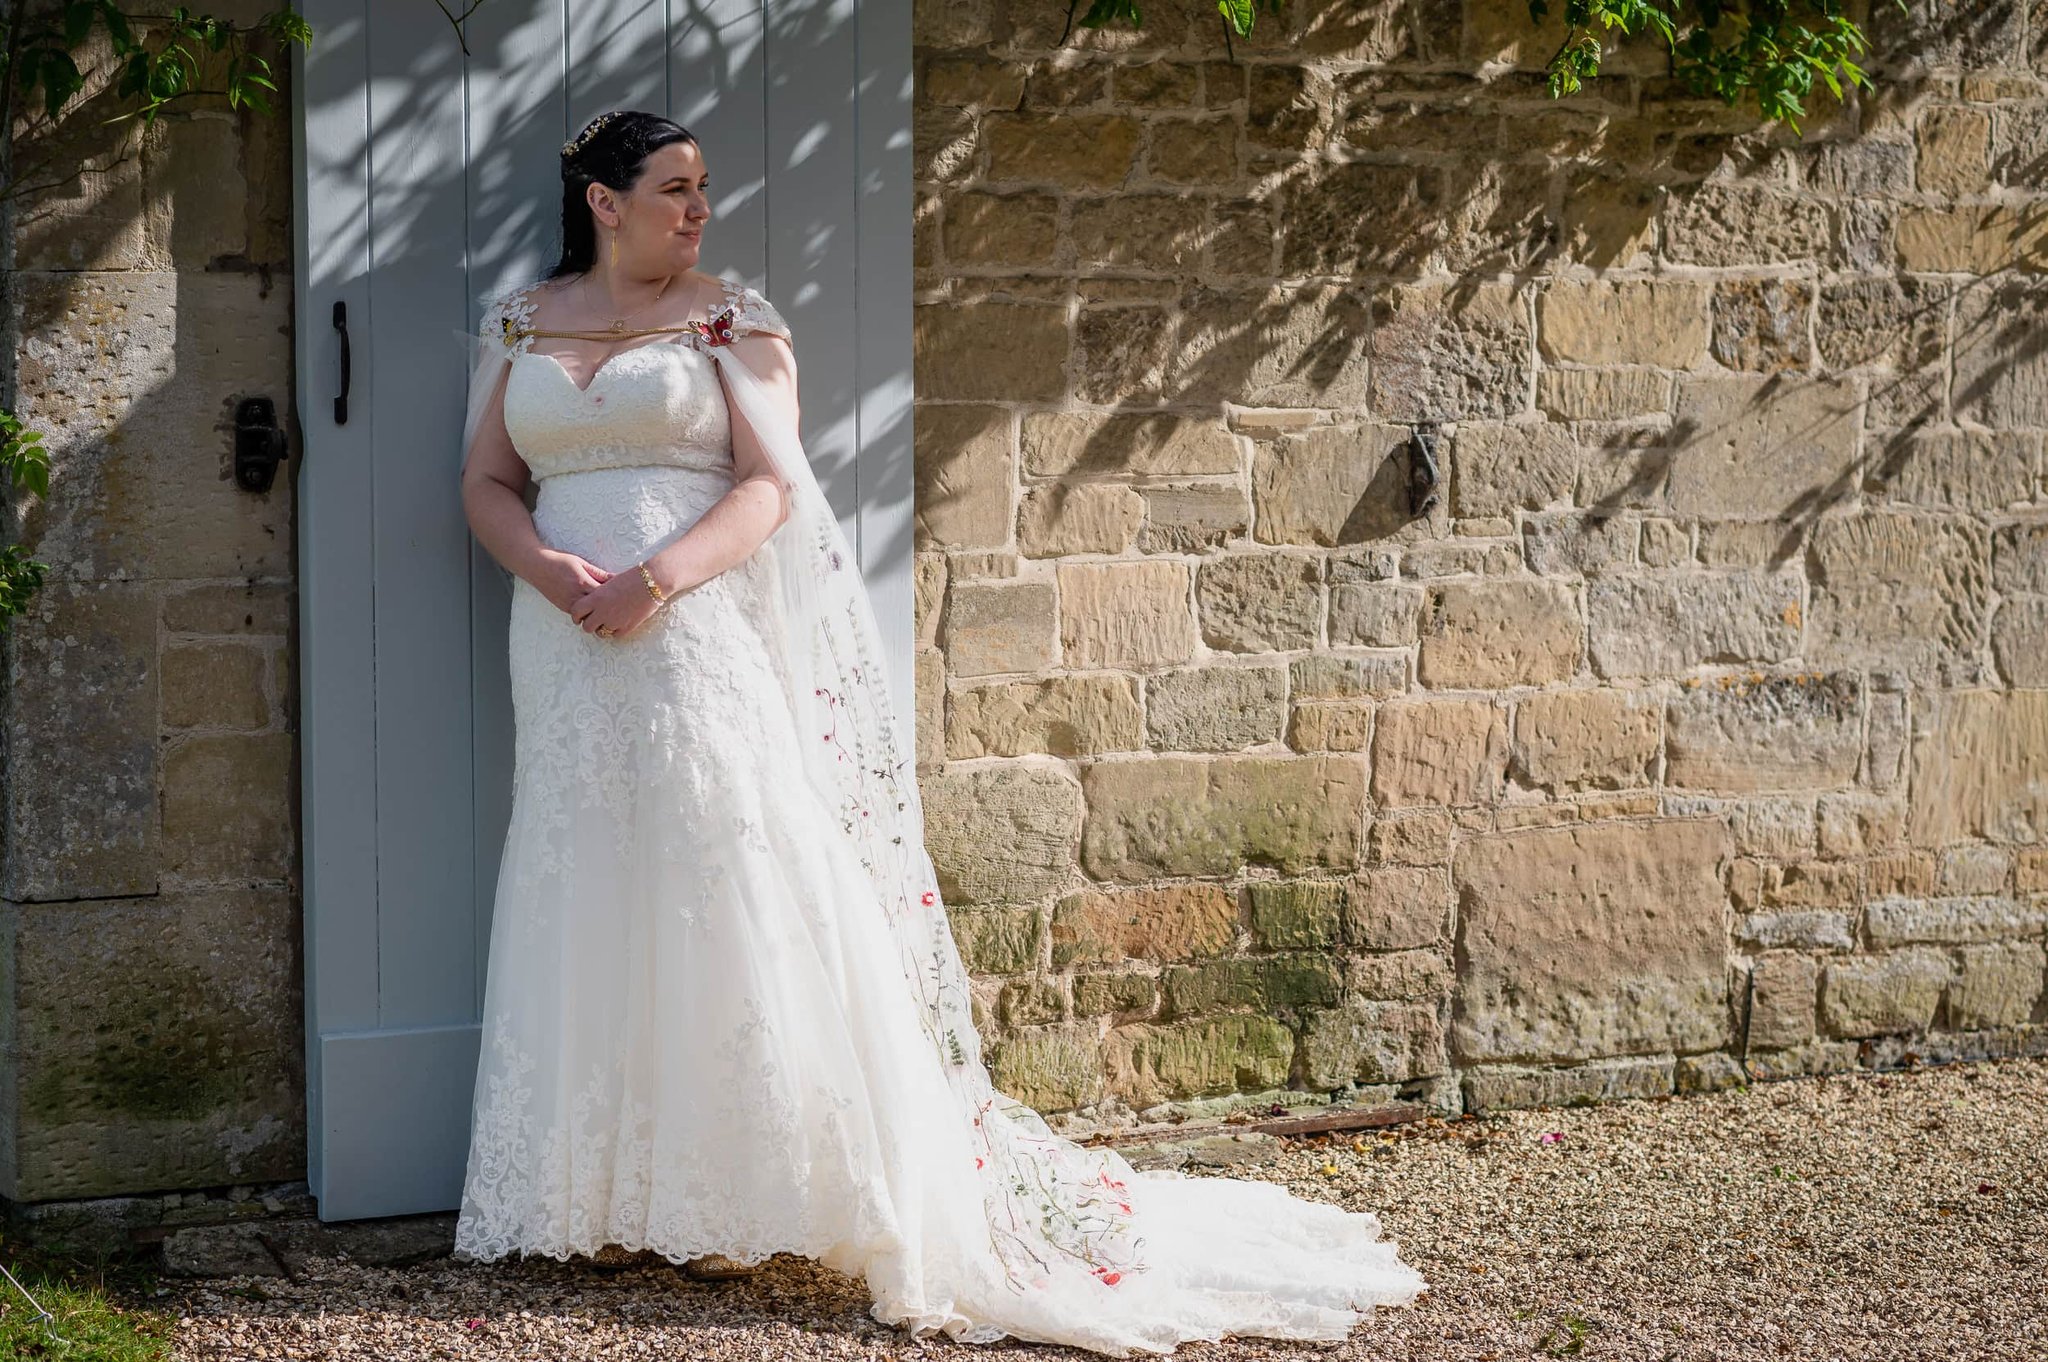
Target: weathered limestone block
<point>964,472</point>
<point>1602,394</point>
<point>1988,917</point>
<point>1339,676</point>
<point>1781,826</point>
<point>1873,994</point>
<point>2019,641</point>
<point>1114,994</point>
<point>996,940</point>
<point>1193,518</point>
<point>1050,1067</point>
<point>1072,151</point>
<point>1971,239</point>
<point>1374,614</point>
<point>82,748</point>
<point>1000,626</point>
<point>1285,984</point>
<point>1215,709</point>
<point>1591,940</point>
<point>929,575</point>
<point>1785,732</point>
<point>1267,344</point>
<point>1365,1041</point>
<point>1757,447</point>
<point>1667,624</point>
<point>1400,976</point>
<point>990,350</point>
<point>1259,602</point>
<point>1978,770</point>
<point>1057,444</point>
<point>1760,325</point>
<point>1361,217</point>
<point>1089,517</point>
<point>1122,353</point>
<point>1587,739</point>
<point>226,806</point>
<point>1334,485</point>
<point>1065,716</point>
<point>1194,816</point>
<point>1439,752</point>
<point>1330,726</point>
<point>1859,824</point>
<point>928,695</point>
<point>1955,470</point>
<point>1169,922</point>
<point>1230,1053</point>
<point>1560,543</point>
<point>1500,469</point>
<point>1499,633</point>
<point>1000,229</point>
<point>1397,908</point>
<point>1996,985</point>
<point>2019,557</point>
<point>127,403</point>
<point>1659,322</point>
<point>1496,1088</point>
<point>1000,833</point>
<point>1421,838</point>
<point>1782,1009</point>
<point>1297,914</point>
<point>1901,592</point>
<point>1145,231</point>
<point>1720,225</point>
<point>1030,1002</point>
<point>2001,383</point>
<point>174,1056</point>
<point>1132,614</point>
<point>1459,347</point>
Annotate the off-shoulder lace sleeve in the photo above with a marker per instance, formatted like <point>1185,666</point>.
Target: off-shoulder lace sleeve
<point>752,312</point>
<point>504,313</point>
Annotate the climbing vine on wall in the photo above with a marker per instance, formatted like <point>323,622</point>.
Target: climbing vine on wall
<point>1772,51</point>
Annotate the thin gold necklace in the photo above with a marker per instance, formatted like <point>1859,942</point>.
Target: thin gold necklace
<point>618,324</point>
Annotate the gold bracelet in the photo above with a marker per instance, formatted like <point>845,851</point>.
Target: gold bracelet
<point>648,577</point>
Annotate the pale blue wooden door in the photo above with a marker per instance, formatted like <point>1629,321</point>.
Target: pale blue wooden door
<point>428,176</point>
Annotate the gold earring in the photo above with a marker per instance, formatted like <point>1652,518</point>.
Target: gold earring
<point>615,249</point>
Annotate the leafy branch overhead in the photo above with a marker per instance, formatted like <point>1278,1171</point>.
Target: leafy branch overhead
<point>1772,51</point>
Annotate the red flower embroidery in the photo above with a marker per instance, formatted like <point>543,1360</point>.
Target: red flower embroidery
<point>928,898</point>
<point>1109,1278</point>
<point>977,1160</point>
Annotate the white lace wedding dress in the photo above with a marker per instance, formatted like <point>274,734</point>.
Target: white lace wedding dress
<point>705,1030</point>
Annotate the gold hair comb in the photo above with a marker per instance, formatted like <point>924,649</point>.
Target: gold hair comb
<point>574,145</point>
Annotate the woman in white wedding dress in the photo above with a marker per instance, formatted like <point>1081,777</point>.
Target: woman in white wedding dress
<point>724,1013</point>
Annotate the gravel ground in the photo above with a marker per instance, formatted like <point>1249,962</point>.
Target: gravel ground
<point>1891,1216</point>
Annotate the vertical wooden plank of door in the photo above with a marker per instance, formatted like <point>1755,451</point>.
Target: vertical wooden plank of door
<point>337,648</point>
<point>395,1126</point>
<point>716,77</point>
<point>516,109</point>
<point>811,206</point>
<point>617,58</point>
<point>882,291</point>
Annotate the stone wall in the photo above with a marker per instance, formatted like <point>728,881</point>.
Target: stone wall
<point>150,999</point>
<point>1704,717</point>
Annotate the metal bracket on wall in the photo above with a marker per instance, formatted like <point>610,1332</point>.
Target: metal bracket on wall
<point>1425,474</point>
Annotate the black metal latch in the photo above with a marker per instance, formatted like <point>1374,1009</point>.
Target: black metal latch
<point>1425,474</point>
<point>259,443</point>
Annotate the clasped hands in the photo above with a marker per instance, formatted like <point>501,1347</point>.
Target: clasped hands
<point>607,604</point>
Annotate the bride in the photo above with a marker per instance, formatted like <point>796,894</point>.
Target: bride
<point>724,1015</point>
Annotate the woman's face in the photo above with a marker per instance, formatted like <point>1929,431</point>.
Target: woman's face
<point>661,218</point>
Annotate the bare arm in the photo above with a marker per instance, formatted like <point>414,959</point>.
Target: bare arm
<point>494,481</point>
<point>755,507</point>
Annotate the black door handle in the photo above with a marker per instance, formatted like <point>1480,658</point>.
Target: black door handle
<point>341,399</point>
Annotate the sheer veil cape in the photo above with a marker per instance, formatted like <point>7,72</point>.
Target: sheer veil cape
<point>1023,1233</point>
